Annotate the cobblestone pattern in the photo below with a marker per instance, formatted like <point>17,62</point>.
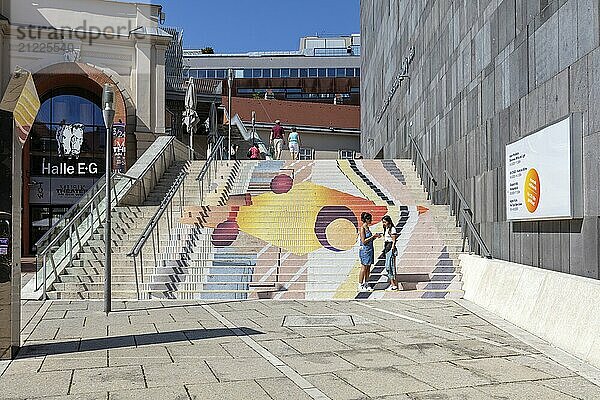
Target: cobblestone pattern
<point>233,350</point>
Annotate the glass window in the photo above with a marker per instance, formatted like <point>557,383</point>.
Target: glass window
<point>285,72</point>
<point>239,73</point>
<point>247,73</point>
<point>211,73</point>
<point>322,72</point>
<point>312,72</point>
<point>339,72</point>
<point>331,72</point>
<point>202,73</point>
<point>346,154</point>
<point>257,73</point>
<point>303,73</point>
<point>266,73</point>
<point>221,73</point>
<point>357,72</point>
<point>294,73</point>
<point>276,73</point>
<point>349,72</point>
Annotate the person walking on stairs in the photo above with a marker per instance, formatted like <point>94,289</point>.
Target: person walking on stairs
<point>277,139</point>
<point>366,252</point>
<point>390,236</point>
<point>254,152</point>
<point>294,143</point>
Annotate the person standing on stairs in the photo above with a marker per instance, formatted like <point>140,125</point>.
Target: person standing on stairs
<point>277,139</point>
<point>390,236</point>
<point>294,143</point>
<point>366,252</point>
<point>254,152</point>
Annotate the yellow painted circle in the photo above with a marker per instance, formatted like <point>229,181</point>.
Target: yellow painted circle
<point>341,234</point>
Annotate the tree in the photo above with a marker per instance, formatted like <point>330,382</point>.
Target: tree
<point>208,50</point>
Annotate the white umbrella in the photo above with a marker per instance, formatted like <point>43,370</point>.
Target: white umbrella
<point>190,116</point>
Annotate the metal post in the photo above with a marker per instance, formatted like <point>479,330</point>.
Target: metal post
<point>230,83</point>
<point>44,277</point>
<point>108,98</point>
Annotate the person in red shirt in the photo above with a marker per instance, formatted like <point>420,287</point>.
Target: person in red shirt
<point>277,135</point>
<point>254,152</point>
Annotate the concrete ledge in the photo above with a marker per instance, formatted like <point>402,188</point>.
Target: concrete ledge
<point>559,308</point>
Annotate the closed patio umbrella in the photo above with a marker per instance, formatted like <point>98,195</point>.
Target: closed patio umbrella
<point>190,116</point>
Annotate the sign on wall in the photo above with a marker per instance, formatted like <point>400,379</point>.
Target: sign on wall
<point>58,191</point>
<point>544,174</point>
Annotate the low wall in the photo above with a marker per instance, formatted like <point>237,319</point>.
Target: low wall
<point>559,308</point>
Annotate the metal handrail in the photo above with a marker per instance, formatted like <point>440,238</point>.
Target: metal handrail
<point>464,219</point>
<point>427,178</point>
<point>166,205</point>
<point>217,150</point>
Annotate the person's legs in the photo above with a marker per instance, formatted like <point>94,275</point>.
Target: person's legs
<point>278,143</point>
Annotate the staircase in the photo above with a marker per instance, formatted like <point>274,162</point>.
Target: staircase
<point>84,277</point>
<point>288,231</point>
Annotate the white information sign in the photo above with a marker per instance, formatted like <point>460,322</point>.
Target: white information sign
<point>539,173</point>
<point>58,191</point>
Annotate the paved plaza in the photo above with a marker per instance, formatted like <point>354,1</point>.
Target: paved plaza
<point>285,350</point>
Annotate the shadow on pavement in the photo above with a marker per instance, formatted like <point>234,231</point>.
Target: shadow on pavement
<point>115,342</point>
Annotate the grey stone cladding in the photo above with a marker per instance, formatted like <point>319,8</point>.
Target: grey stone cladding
<point>486,73</point>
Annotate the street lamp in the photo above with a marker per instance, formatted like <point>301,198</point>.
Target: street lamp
<point>229,85</point>
<point>108,112</point>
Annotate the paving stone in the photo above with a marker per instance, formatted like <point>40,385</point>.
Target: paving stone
<point>452,394</point>
<point>239,369</point>
<point>544,364</point>
<point>317,363</point>
<point>278,347</point>
<point>383,382</point>
<point>502,370</point>
<point>170,374</point>
<point>317,331</point>
<point>24,366</point>
<point>428,352</point>
<point>477,348</point>
<point>374,358</point>
<point>335,387</point>
<point>88,396</point>
<point>79,360</point>
<point>523,391</point>
<point>239,349</point>
<point>282,389</point>
<point>316,345</point>
<point>197,351</point>
<point>574,386</point>
<point>25,386</point>
<point>163,393</point>
<point>228,391</point>
<point>106,379</point>
<point>444,375</point>
<point>365,341</point>
<point>138,356</point>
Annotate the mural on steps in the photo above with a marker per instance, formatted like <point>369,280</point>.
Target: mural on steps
<point>299,226</point>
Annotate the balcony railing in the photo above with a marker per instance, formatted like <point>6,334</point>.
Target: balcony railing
<point>212,87</point>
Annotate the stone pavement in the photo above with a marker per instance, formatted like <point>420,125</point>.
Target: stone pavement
<point>282,350</point>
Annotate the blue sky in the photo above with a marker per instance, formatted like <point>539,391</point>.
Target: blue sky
<point>259,25</point>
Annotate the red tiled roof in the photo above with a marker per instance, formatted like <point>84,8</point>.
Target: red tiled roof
<point>296,113</point>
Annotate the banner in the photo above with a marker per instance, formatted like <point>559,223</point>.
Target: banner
<point>21,99</point>
<point>540,174</point>
<point>58,191</point>
<point>119,148</point>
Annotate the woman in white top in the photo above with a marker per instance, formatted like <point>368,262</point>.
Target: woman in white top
<point>294,143</point>
<point>390,236</point>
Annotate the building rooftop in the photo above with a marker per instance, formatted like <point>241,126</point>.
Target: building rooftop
<point>293,113</point>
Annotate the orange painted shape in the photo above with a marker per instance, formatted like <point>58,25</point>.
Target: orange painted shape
<point>532,190</point>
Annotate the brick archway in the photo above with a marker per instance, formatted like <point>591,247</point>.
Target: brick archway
<point>84,76</point>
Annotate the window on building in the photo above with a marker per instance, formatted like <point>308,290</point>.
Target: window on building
<point>346,154</point>
<point>276,73</point>
<point>266,73</point>
<point>201,73</point>
<point>340,72</point>
<point>285,72</point>
<point>221,73</point>
<point>294,73</point>
<point>357,72</point>
<point>331,72</point>
<point>322,72</point>
<point>247,73</point>
<point>313,72</point>
<point>257,73</point>
<point>306,153</point>
<point>349,72</point>
<point>211,73</point>
<point>303,73</point>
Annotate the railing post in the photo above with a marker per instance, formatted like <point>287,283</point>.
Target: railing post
<point>44,276</point>
<point>137,282</point>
